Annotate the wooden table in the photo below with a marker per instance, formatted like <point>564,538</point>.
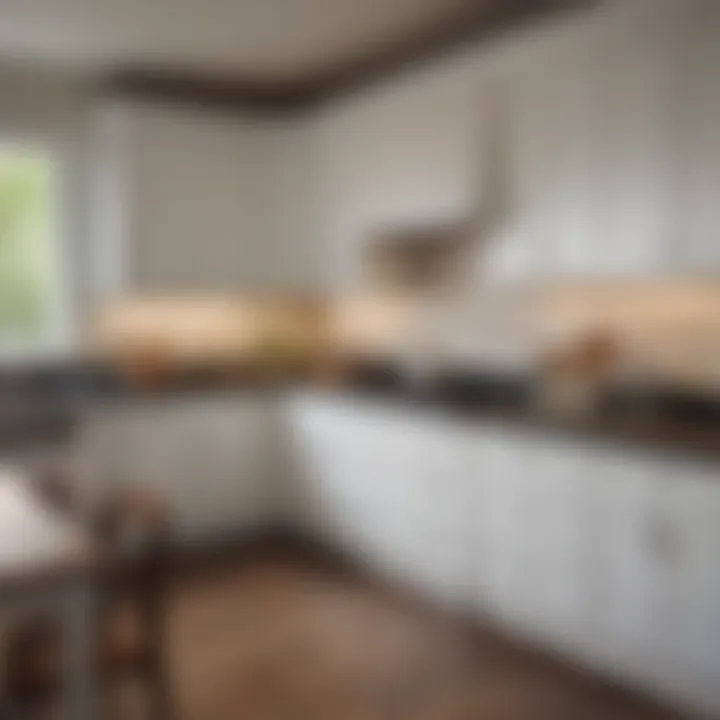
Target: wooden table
<point>47,565</point>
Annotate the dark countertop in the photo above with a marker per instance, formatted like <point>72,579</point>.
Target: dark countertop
<point>662,420</point>
<point>661,435</point>
<point>670,424</point>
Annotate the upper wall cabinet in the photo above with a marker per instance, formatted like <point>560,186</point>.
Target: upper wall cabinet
<point>696,180</point>
<point>586,145</point>
<point>591,163</point>
<point>191,199</point>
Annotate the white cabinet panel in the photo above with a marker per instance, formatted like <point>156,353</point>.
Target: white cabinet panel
<point>625,601</point>
<point>436,508</point>
<point>531,533</point>
<point>689,567</point>
<point>552,144</point>
<point>592,153</point>
<point>225,460</point>
<point>207,458</point>
<point>498,465</point>
<point>333,467</point>
<point>655,580</point>
<point>555,531</point>
<point>388,485</point>
<point>696,112</point>
<point>194,201</point>
<point>632,155</point>
<point>605,554</point>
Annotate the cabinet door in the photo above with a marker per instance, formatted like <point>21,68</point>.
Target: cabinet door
<point>498,465</point>
<point>624,599</point>
<point>224,478</point>
<point>554,505</point>
<point>204,458</point>
<point>695,247</point>
<point>328,449</point>
<point>432,490</point>
<point>591,154</point>
<point>387,484</point>
<point>555,233</point>
<point>688,514</point>
<point>632,154</point>
<point>144,445</point>
<point>529,537</point>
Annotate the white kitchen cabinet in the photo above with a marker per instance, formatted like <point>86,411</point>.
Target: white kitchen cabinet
<point>497,465</point>
<point>624,588</point>
<point>591,141</point>
<point>329,463</point>
<point>192,201</point>
<point>550,143</point>
<point>687,562</point>
<point>183,208</point>
<point>605,554</point>
<point>208,458</point>
<point>695,245</point>
<point>433,504</point>
<point>530,533</point>
<point>553,533</point>
<point>632,155</point>
<point>602,553</point>
<point>654,578</point>
<point>390,486</point>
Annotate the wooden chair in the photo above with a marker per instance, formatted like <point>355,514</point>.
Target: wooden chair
<point>132,532</point>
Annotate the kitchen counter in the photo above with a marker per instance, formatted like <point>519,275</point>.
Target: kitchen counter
<point>680,426</point>
<point>594,538</point>
<point>660,430</point>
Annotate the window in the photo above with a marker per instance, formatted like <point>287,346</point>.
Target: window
<point>29,268</point>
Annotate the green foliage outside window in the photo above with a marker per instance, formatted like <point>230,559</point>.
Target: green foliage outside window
<point>26,297</point>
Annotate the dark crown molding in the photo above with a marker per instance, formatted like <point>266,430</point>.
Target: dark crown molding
<point>482,22</point>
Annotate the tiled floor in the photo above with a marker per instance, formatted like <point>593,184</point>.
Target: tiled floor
<point>285,640</point>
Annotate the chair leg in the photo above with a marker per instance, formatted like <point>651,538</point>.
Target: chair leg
<point>162,701</point>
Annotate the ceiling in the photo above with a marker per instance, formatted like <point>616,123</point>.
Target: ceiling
<point>263,40</point>
<point>269,54</point>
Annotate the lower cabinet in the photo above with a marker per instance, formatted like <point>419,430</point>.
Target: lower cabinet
<point>686,557</point>
<point>390,491</point>
<point>624,585</point>
<point>210,459</point>
<point>533,536</point>
<point>606,555</point>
